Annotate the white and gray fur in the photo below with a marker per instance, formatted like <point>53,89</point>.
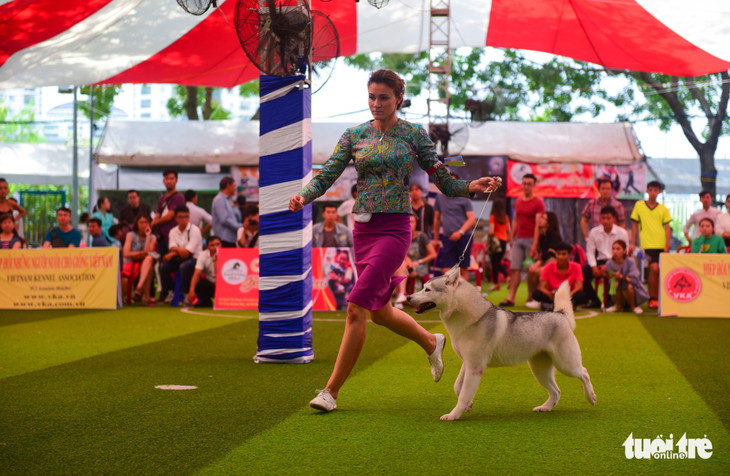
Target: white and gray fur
<point>487,336</point>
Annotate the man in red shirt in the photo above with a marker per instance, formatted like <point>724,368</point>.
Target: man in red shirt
<point>553,275</point>
<point>524,233</point>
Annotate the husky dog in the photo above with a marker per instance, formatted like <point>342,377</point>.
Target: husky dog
<point>487,336</point>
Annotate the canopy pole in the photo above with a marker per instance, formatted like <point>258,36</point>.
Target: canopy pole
<point>91,147</point>
<point>75,176</point>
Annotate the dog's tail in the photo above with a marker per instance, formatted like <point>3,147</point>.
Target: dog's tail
<point>564,303</point>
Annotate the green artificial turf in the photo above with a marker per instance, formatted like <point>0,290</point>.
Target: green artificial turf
<point>77,396</point>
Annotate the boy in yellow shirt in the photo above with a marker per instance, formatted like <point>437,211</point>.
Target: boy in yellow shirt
<point>652,220</point>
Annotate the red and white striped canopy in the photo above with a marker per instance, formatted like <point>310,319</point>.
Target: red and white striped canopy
<point>67,42</point>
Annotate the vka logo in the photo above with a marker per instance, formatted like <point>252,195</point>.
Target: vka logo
<point>664,449</point>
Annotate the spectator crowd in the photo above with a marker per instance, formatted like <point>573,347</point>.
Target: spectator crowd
<point>180,238</point>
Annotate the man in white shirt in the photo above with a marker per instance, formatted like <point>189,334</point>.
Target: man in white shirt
<point>598,252</point>
<point>186,244</point>
<point>707,211</point>
<point>345,210</point>
<point>198,215</point>
<point>202,289</point>
<point>722,225</point>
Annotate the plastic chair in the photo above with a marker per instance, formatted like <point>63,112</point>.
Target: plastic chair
<point>479,270</point>
<point>606,282</point>
<point>178,296</point>
<point>684,249</point>
<point>130,282</point>
<point>411,282</point>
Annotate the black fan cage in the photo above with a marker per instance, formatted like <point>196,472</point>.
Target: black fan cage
<point>378,3</point>
<point>196,7</point>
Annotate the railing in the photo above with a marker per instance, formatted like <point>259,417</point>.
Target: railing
<point>40,207</point>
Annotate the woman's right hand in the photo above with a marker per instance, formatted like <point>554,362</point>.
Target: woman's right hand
<point>296,203</point>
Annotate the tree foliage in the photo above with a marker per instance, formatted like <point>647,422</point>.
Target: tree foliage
<point>513,87</point>
<point>194,102</point>
<point>19,127</point>
<point>103,101</point>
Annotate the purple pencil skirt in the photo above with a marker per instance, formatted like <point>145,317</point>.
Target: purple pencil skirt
<point>381,246</point>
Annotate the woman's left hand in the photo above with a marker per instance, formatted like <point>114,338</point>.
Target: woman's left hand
<point>485,184</point>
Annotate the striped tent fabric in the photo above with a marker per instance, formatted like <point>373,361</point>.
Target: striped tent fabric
<point>75,42</point>
<point>285,244</point>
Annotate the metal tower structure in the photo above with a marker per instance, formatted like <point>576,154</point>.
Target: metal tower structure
<point>439,73</point>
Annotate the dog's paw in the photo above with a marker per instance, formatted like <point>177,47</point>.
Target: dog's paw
<point>542,408</point>
<point>470,406</point>
<point>593,399</point>
<point>449,417</point>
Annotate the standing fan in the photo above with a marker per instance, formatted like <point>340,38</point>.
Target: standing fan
<point>325,50</point>
<point>449,139</point>
<point>196,7</point>
<point>379,3</point>
<point>283,37</point>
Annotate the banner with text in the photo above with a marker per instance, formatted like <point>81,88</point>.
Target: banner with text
<point>333,277</point>
<point>694,285</point>
<point>61,278</point>
<point>237,282</point>
<point>572,180</point>
<point>237,286</point>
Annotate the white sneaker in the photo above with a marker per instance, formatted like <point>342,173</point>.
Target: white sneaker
<point>638,310</point>
<point>170,296</point>
<point>400,298</point>
<point>436,359</point>
<point>532,304</point>
<point>323,401</point>
<point>611,309</point>
<point>398,305</point>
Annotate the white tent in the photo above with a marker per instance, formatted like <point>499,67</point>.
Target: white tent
<point>42,164</point>
<point>237,143</point>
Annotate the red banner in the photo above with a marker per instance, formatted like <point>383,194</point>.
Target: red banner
<point>564,180</point>
<point>237,286</point>
<point>237,283</point>
<point>333,276</point>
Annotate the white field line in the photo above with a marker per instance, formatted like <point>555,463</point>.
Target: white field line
<point>198,313</point>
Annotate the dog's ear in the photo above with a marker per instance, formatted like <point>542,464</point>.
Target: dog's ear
<point>453,275</point>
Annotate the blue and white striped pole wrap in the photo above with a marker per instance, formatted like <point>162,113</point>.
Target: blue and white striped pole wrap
<point>285,238</point>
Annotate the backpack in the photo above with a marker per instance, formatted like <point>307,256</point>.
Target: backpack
<point>56,241</point>
<point>578,255</point>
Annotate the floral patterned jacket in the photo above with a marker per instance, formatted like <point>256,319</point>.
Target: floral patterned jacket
<point>384,163</point>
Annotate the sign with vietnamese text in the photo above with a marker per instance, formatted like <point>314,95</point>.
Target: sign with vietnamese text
<point>59,278</point>
<point>575,180</point>
<point>694,285</point>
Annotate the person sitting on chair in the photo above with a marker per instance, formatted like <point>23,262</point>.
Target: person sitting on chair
<point>630,291</point>
<point>420,253</point>
<point>139,257</point>
<point>202,289</point>
<point>553,275</point>
<point>64,235</point>
<point>708,241</point>
<point>600,242</point>
<point>95,231</point>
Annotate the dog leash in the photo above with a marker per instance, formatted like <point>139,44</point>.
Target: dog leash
<point>461,258</point>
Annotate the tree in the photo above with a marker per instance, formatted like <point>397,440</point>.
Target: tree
<point>516,88</point>
<point>103,100</point>
<point>678,100</point>
<point>250,89</point>
<point>186,101</point>
<point>19,128</point>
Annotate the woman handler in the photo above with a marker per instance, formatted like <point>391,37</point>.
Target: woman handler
<point>383,151</point>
